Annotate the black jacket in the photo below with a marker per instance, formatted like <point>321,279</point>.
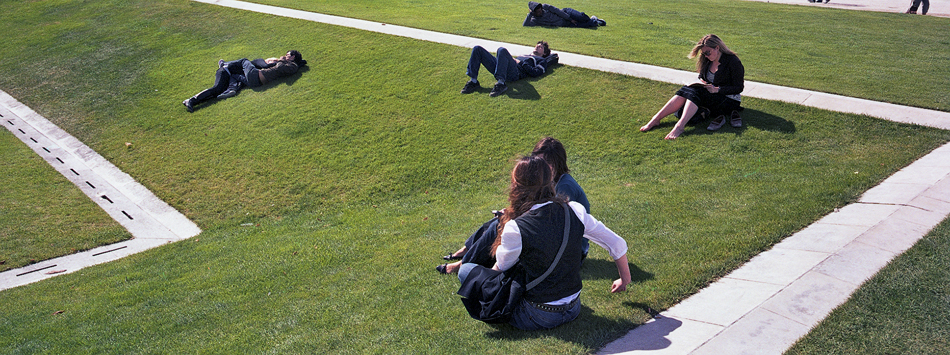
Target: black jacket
<point>730,78</point>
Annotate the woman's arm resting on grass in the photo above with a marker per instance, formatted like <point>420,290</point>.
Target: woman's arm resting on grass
<point>624,270</point>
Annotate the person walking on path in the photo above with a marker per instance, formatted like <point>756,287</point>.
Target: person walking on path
<point>914,4</point>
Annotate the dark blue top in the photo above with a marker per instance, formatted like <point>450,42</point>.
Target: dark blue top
<point>567,186</point>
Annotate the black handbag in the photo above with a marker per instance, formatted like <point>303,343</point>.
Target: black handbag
<point>492,296</point>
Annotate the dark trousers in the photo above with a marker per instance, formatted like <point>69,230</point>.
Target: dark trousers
<point>479,244</point>
<point>221,81</point>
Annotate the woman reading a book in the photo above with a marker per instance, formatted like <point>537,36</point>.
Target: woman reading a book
<point>721,78</point>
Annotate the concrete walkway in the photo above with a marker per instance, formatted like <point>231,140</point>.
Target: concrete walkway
<point>761,308</point>
<point>939,8</point>
<point>150,220</point>
<point>778,296</point>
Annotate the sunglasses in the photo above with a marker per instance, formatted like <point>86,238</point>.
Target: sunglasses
<point>707,52</point>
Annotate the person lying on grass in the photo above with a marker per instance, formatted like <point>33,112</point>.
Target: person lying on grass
<point>507,68</point>
<point>231,76</point>
<point>531,235</point>
<point>547,15</point>
<point>721,79</point>
<point>552,151</point>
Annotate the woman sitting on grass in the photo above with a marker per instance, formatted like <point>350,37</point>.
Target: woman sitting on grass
<point>242,72</point>
<point>722,78</point>
<point>531,234</point>
<point>552,151</point>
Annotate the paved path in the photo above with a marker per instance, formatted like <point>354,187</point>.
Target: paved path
<point>778,296</point>
<point>940,8</point>
<point>762,307</point>
<point>150,220</point>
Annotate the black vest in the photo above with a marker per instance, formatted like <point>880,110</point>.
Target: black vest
<point>542,231</point>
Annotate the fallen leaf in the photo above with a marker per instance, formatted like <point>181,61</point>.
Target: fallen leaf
<point>59,312</point>
<point>56,271</point>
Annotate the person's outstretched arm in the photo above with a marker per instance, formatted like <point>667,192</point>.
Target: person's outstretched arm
<point>527,21</point>
<point>623,269</point>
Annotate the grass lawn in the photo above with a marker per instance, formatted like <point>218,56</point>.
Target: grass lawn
<point>904,309</point>
<point>879,56</point>
<point>327,199</point>
<point>44,215</point>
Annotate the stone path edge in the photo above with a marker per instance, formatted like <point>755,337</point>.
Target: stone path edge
<point>151,221</point>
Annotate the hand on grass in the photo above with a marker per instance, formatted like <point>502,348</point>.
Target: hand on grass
<point>618,286</point>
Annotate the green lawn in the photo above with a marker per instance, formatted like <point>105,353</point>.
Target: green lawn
<point>359,173</point>
<point>879,56</point>
<point>44,215</point>
<point>904,309</point>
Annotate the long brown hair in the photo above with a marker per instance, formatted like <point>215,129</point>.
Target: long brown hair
<point>711,41</point>
<point>552,151</point>
<point>532,182</point>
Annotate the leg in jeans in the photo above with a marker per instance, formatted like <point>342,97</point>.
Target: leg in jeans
<point>506,70</point>
<point>480,57</point>
<point>527,317</point>
<point>221,81</point>
<point>581,19</point>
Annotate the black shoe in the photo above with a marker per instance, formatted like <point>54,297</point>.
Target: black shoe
<point>470,87</point>
<point>188,105</point>
<point>498,89</point>
<point>441,269</point>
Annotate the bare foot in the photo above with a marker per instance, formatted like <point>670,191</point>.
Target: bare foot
<point>453,268</point>
<point>676,132</point>
<point>648,126</point>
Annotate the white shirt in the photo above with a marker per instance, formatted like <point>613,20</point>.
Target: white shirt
<point>509,250</point>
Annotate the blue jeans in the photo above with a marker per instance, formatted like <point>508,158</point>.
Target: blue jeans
<point>504,67</point>
<point>581,18</point>
<point>528,317</point>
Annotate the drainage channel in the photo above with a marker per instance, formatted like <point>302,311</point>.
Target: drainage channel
<point>151,221</point>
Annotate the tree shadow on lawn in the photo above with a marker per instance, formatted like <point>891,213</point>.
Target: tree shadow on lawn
<point>750,118</point>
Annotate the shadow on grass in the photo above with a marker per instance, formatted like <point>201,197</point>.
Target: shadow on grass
<point>523,90</point>
<point>599,269</point>
<point>289,81</point>
<point>750,118</point>
<point>575,331</point>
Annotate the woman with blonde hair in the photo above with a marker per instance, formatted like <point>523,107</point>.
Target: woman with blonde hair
<point>721,79</point>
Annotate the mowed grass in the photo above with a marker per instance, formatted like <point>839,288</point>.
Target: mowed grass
<point>904,309</point>
<point>44,215</point>
<point>887,57</point>
<point>327,199</point>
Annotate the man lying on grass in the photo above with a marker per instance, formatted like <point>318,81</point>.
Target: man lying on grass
<point>507,68</point>
<point>231,76</point>
<point>547,15</point>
